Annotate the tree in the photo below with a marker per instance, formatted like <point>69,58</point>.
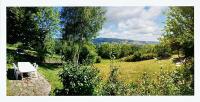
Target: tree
<point>21,26</point>
<point>179,34</point>
<point>81,24</point>
<point>34,27</point>
<point>179,30</point>
<point>48,20</point>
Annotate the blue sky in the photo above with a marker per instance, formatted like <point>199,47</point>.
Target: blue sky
<point>135,23</point>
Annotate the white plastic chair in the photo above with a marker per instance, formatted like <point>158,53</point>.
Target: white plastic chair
<point>16,71</point>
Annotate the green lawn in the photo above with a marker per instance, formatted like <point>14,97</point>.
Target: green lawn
<point>51,74</point>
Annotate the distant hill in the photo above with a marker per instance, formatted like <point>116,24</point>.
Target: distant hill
<point>124,41</point>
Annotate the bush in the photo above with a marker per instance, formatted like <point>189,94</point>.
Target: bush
<point>127,49</point>
<point>88,54</point>
<point>104,50</point>
<point>113,86</point>
<point>137,56</point>
<point>162,51</point>
<point>167,83</point>
<point>98,59</point>
<point>68,51</point>
<point>147,56</point>
<point>58,46</point>
<point>78,80</point>
<point>10,58</point>
<point>184,78</point>
<point>120,50</point>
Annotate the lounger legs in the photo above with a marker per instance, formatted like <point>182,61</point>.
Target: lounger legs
<point>16,76</point>
<point>36,75</point>
<point>21,75</point>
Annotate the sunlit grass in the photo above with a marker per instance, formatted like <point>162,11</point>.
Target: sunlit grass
<point>131,71</point>
<point>52,77</point>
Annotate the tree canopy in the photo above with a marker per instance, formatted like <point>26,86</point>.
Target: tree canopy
<point>179,29</point>
<point>80,25</point>
<point>34,27</point>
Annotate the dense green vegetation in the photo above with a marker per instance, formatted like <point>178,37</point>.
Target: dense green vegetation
<point>33,28</point>
<point>75,66</point>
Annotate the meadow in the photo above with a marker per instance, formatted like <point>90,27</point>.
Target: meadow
<point>131,71</point>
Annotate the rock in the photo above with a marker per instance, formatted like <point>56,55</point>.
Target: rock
<point>30,87</point>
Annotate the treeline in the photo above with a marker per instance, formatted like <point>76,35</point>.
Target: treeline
<point>125,52</point>
<point>130,53</point>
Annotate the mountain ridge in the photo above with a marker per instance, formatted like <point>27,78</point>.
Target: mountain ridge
<point>125,41</point>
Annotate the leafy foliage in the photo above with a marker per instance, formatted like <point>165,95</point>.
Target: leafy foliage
<point>81,24</point>
<point>119,50</point>
<point>162,51</point>
<point>87,53</point>
<point>10,58</point>
<point>167,83</point>
<point>78,80</point>
<point>98,59</point>
<point>179,30</point>
<point>33,27</point>
<point>179,35</point>
<point>138,56</point>
<point>112,86</point>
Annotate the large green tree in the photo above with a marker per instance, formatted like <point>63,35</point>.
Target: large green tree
<point>48,20</point>
<point>21,26</point>
<point>179,30</point>
<point>179,35</point>
<point>34,27</point>
<point>81,24</point>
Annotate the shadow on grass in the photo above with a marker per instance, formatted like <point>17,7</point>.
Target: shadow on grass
<point>51,66</point>
<point>11,76</point>
<point>21,57</point>
<point>180,59</point>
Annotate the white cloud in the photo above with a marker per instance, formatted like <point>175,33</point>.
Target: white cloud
<point>137,23</point>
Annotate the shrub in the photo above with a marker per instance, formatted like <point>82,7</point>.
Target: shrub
<point>68,51</point>
<point>58,47</point>
<point>113,86</point>
<point>143,86</point>
<point>147,56</point>
<point>120,50</point>
<point>106,49</point>
<point>88,54</point>
<point>162,51</point>
<point>184,78</point>
<point>137,56</point>
<point>10,58</point>
<point>78,80</point>
<point>167,83</point>
<point>127,49</point>
<point>98,59</point>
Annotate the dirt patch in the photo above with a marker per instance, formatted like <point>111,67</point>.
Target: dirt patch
<point>30,87</point>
